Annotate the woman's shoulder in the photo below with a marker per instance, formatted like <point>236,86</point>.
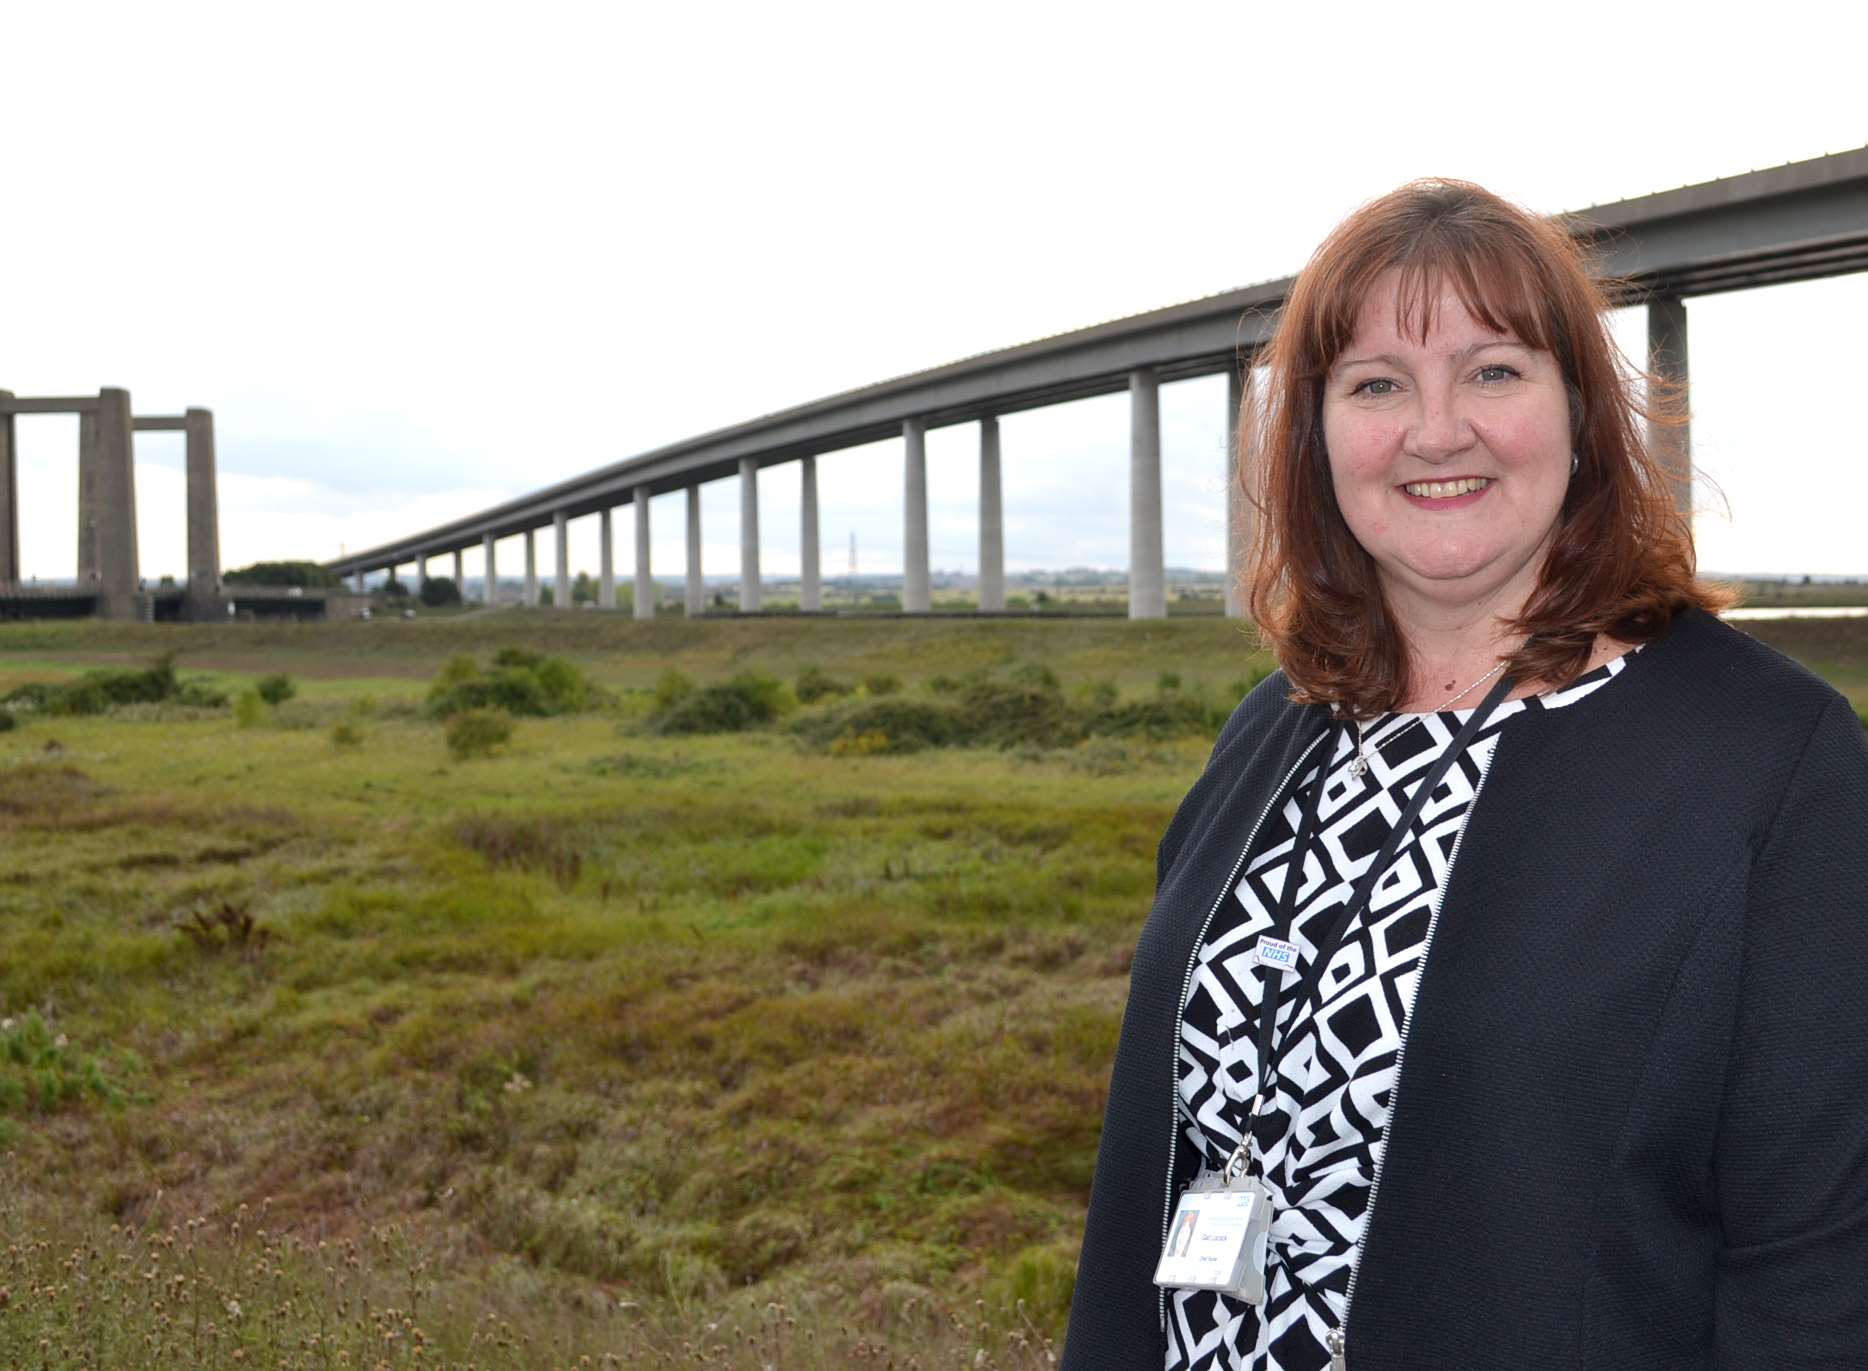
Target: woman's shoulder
<point>1707,666</point>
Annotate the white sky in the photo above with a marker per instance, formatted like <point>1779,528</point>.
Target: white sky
<point>422,258</point>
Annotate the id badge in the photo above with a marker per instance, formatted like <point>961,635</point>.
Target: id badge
<point>1219,1238</point>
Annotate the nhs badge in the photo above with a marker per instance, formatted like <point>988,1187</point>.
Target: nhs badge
<point>1276,954</point>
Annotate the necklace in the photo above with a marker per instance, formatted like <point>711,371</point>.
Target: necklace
<point>1359,766</point>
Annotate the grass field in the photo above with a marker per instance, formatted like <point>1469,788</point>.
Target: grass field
<point>713,1050</point>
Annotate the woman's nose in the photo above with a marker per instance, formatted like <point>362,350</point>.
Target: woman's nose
<point>1440,430</point>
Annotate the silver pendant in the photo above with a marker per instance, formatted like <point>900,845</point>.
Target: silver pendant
<point>1359,767</point>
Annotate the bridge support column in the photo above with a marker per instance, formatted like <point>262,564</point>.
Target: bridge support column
<point>1147,578</point>
<point>645,572</point>
<point>489,573</point>
<point>748,535</point>
<point>421,572</point>
<point>460,573</point>
<point>87,500</point>
<point>9,497</point>
<point>810,565</point>
<point>991,519</point>
<point>561,535</point>
<point>916,596</point>
<point>531,568</point>
<point>356,582</point>
<point>1240,516</point>
<point>115,508</point>
<point>694,588</point>
<point>606,574</point>
<point>1666,358</point>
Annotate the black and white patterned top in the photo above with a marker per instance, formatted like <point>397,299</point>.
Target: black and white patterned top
<point>1321,1133</point>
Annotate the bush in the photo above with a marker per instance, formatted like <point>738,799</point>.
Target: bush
<point>1028,711</point>
<point>7,722</point>
<point>98,691</point>
<point>345,736</point>
<point>1165,716</point>
<point>671,689</point>
<point>813,685</point>
<point>1167,682</point>
<point>478,733</point>
<point>748,700</point>
<point>521,683</point>
<point>899,725</point>
<point>275,690</point>
<point>881,684</point>
<point>437,592</point>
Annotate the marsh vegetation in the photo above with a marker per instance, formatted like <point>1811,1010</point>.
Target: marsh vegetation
<point>769,1033</point>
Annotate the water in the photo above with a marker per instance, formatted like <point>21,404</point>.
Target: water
<point>1805,612</point>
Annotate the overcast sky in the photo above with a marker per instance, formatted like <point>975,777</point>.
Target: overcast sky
<point>422,258</point>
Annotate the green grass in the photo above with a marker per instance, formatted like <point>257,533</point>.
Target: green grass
<point>681,1029</point>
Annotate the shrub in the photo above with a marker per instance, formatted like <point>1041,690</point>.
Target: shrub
<point>814,684</point>
<point>671,688</point>
<point>861,744</point>
<point>98,691</point>
<point>521,683</point>
<point>902,725</point>
<point>249,709</point>
<point>7,722</point>
<point>1013,712</point>
<point>478,733</point>
<point>439,591</point>
<point>1097,694</point>
<point>1167,682</point>
<point>881,683</point>
<point>1165,716</point>
<point>345,736</point>
<point>749,699</point>
<point>276,689</point>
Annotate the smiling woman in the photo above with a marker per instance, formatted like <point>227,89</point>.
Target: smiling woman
<point>1507,732</point>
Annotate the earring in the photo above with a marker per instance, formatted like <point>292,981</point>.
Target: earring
<point>1575,463</point>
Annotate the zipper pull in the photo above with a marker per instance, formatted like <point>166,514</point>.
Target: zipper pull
<point>1339,1357</point>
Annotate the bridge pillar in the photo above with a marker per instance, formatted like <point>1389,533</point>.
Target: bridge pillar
<point>606,573</point>
<point>645,568</point>
<point>489,573</point>
<point>114,491</point>
<point>916,596</point>
<point>87,499</point>
<point>561,534</point>
<point>9,498</point>
<point>810,566</point>
<point>1147,579</point>
<point>356,581</point>
<point>991,519</point>
<point>1666,358</point>
<point>421,572</point>
<point>748,534</point>
<point>1239,512</point>
<point>460,573</point>
<point>531,567</point>
<point>694,589</point>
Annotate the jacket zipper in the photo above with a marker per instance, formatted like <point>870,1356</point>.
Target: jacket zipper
<point>1338,1338</point>
<point>1180,1011</point>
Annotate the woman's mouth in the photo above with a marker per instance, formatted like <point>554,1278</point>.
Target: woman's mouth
<point>1446,490</point>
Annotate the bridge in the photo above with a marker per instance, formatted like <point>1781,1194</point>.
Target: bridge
<point>1802,221</point>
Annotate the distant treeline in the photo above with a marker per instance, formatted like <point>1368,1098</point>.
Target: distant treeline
<point>308,574</point>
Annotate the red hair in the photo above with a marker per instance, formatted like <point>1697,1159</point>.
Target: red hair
<point>1621,562</point>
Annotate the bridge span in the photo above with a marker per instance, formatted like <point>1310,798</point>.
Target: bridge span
<point>1797,222</point>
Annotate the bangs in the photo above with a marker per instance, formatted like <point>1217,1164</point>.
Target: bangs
<point>1501,277</point>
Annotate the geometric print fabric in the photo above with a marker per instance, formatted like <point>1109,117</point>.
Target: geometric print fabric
<point>1320,1132</point>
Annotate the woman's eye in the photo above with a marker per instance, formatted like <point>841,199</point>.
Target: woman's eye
<point>1377,387</point>
<point>1492,375</point>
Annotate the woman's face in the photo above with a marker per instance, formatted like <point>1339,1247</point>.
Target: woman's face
<point>1450,456</point>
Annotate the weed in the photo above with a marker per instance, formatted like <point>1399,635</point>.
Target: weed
<point>41,1071</point>
<point>275,689</point>
<point>478,733</point>
<point>249,709</point>
<point>814,684</point>
<point>225,928</point>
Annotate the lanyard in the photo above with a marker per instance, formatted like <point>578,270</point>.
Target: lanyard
<point>1271,978</point>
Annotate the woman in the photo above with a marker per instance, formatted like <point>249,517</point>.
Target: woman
<point>1632,1131</point>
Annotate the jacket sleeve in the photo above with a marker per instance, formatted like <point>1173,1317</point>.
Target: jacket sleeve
<point>1791,1156</point>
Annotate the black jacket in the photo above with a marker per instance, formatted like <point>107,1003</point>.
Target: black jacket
<point>1631,1129</point>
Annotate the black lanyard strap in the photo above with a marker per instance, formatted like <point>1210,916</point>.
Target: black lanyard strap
<point>1271,979</point>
